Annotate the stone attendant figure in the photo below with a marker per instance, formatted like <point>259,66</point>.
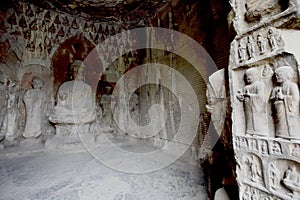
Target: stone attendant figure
<point>251,47</point>
<point>75,100</point>
<point>274,176</point>
<point>242,52</point>
<point>105,102</point>
<point>272,39</point>
<point>255,102</point>
<point>10,121</point>
<point>261,43</point>
<point>35,102</point>
<point>285,98</point>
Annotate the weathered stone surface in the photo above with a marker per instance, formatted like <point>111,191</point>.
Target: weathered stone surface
<point>268,161</point>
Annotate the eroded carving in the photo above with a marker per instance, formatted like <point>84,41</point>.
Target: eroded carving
<point>276,148</point>
<point>273,41</point>
<point>254,169</point>
<point>274,176</point>
<point>291,180</point>
<point>264,147</point>
<point>261,43</point>
<point>242,51</point>
<point>251,47</point>
<point>10,121</point>
<point>35,102</point>
<point>255,10</point>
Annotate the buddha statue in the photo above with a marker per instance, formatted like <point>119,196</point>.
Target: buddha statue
<point>75,100</point>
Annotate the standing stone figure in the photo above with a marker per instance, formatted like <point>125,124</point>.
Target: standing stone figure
<point>285,98</point>
<point>261,43</point>
<point>251,47</point>
<point>272,39</point>
<point>10,121</point>
<point>274,176</point>
<point>255,103</point>
<point>35,103</point>
<point>242,52</point>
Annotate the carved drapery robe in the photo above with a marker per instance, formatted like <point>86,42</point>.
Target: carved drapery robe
<point>286,110</point>
<point>255,109</point>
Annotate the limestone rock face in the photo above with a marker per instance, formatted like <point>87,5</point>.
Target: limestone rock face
<point>264,90</point>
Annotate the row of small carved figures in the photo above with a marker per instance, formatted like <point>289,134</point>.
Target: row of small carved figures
<point>286,182</point>
<point>254,194</point>
<point>265,146</point>
<point>248,51</point>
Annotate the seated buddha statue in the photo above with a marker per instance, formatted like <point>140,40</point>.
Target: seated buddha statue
<point>75,100</point>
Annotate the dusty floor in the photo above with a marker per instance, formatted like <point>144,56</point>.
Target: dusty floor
<point>78,175</point>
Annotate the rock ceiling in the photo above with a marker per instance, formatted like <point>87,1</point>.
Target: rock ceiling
<point>135,12</point>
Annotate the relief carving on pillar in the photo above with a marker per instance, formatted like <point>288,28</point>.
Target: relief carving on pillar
<point>253,170</point>
<point>253,96</point>
<point>285,102</point>
<point>284,178</point>
<point>264,87</point>
<point>258,45</point>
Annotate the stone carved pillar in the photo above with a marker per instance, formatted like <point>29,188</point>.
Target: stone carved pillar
<point>264,89</point>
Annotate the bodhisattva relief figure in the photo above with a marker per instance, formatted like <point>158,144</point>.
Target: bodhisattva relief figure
<point>253,95</point>
<point>75,100</point>
<point>10,122</point>
<point>35,103</point>
<point>285,99</point>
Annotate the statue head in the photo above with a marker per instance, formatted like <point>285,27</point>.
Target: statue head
<point>284,73</point>
<point>77,70</point>
<point>108,90</point>
<point>37,83</point>
<point>251,75</point>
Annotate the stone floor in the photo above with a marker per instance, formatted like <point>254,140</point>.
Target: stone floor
<point>78,175</point>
